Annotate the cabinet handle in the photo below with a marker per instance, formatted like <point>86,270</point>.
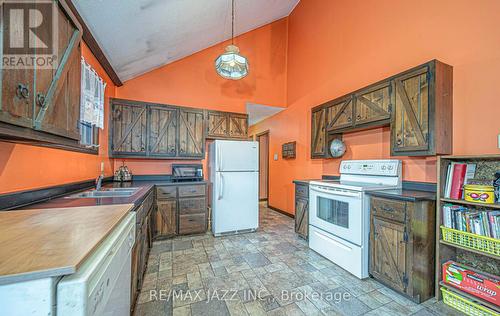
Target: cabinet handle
<point>359,117</point>
<point>387,209</point>
<point>22,91</point>
<point>349,119</point>
<point>399,141</point>
<point>40,99</point>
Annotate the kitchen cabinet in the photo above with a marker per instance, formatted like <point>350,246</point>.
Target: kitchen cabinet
<point>191,133</point>
<point>162,136</point>
<point>143,243</point>
<point>181,210</point>
<point>42,106</point>
<point>166,218</point>
<point>422,118</point>
<point>402,246</point>
<point>302,210</point>
<point>372,105</point>
<point>227,125</point>
<point>318,133</point>
<point>129,134</point>
<point>339,114</point>
<point>238,125</point>
<point>417,104</point>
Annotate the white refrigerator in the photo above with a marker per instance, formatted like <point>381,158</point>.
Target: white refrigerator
<point>234,173</point>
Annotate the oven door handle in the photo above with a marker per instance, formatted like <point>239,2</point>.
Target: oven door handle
<point>340,193</point>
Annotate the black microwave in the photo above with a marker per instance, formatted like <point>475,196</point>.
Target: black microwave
<point>187,172</point>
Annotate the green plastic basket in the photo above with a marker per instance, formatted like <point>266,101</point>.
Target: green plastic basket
<point>472,241</point>
<point>464,305</point>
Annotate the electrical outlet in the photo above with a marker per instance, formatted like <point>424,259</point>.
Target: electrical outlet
<point>276,156</point>
<point>498,140</point>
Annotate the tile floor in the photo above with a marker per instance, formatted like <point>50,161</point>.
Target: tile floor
<point>270,272</point>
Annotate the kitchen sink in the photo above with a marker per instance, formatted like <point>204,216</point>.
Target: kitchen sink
<point>105,192</point>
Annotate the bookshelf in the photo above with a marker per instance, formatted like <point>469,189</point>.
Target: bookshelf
<point>479,252</point>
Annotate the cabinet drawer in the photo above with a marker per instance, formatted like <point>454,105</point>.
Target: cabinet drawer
<point>192,223</point>
<point>192,205</point>
<point>390,209</point>
<point>167,192</point>
<point>191,190</point>
<point>301,190</point>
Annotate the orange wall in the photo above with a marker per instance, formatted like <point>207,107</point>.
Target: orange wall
<point>192,81</point>
<point>338,46</point>
<point>25,167</point>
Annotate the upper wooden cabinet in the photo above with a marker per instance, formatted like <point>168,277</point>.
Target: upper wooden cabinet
<point>318,133</point>
<point>339,114</point>
<point>140,129</point>
<point>373,105</point>
<point>191,133</point>
<point>129,133</point>
<point>416,103</point>
<point>227,125</point>
<point>422,118</point>
<point>43,105</point>
<point>163,126</point>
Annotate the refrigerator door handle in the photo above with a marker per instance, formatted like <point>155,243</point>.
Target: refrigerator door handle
<point>221,191</point>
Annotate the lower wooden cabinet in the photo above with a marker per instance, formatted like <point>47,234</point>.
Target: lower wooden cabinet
<point>402,246</point>
<point>302,210</point>
<point>166,218</point>
<point>181,210</point>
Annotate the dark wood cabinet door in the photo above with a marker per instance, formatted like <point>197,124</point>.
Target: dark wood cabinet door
<point>302,217</point>
<point>218,124</point>
<point>57,96</point>
<point>134,286</point>
<point>166,218</point>
<point>162,123</point>
<point>410,125</point>
<point>373,104</point>
<point>339,114</point>
<point>192,223</point>
<point>318,133</point>
<point>238,125</point>
<point>388,257</point>
<point>191,133</point>
<point>128,129</point>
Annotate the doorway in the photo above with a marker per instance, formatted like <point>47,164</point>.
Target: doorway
<point>263,139</point>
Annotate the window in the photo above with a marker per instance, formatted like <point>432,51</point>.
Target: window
<point>91,106</point>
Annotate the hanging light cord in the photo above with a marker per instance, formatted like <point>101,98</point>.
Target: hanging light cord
<point>232,22</point>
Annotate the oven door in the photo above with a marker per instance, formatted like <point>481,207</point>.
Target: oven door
<point>337,211</point>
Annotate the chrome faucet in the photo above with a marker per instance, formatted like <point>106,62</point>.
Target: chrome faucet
<point>98,182</point>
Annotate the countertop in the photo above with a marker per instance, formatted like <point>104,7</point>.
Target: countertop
<point>41,243</point>
<point>144,185</point>
<point>404,195</point>
<point>304,181</point>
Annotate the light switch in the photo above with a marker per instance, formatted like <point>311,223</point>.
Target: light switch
<point>275,156</point>
<point>498,140</point>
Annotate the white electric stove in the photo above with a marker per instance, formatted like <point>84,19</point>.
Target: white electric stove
<point>339,216</point>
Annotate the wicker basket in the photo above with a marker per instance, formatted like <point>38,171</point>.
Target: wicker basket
<point>472,241</point>
<point>464,305</point>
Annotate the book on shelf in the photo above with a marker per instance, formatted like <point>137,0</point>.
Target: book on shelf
<point>484,223</point>
<point>457,175</point>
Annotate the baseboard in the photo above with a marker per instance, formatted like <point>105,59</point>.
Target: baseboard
<point>281,211</point>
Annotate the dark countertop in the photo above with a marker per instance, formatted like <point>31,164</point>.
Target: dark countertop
<point>144,185</point>
<point>404,195</point>
<point>304,181</point>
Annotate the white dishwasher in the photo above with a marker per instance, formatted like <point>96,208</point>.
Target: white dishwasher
<point>101,286</point>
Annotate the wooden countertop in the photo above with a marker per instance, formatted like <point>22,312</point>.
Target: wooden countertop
<point>43,243</point>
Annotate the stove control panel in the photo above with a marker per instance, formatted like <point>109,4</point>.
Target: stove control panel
<point>371,167</point>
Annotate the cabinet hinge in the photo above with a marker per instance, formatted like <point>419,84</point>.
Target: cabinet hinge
<point>405,279</point>
<point>405,236</point>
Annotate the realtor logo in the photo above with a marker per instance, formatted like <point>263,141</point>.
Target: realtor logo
<point>29,34</point>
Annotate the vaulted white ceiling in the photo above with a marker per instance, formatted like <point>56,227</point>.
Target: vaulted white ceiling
<point>139,35</point>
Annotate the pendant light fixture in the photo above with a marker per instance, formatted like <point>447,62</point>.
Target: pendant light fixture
<point>232,65</point>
